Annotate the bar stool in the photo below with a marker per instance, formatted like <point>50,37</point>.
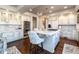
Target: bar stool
<point>3,46</point>
<point>35,39</point>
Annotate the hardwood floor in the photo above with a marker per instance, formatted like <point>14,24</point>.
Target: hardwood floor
<point>24,44</point>
<point>60,45</point>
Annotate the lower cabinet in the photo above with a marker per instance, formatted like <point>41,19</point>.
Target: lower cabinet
<point>12,36</point>
<point>69,32</point>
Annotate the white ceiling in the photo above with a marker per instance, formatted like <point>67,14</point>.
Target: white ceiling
<point>40,8</point>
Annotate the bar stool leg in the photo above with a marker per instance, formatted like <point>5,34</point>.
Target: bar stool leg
<point>42,46</point>
<point>30,48</point>
<point>35,49</point>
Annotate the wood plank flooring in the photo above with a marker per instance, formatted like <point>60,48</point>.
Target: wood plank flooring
<point>63,41</point>
<point>24,44</point>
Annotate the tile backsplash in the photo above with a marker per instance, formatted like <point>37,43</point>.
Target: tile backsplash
<point>6,28</point>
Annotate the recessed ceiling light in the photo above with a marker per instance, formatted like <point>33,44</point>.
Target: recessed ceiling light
<point>30,9</point>
<point>52,7</point>
<point>65,7</point>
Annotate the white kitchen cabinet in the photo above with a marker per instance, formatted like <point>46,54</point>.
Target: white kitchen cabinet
<point>3,17</point>
<point>53,21</point>
<point>55,24</point>
<point>49,22</point>
<point>14,18</point>
<point>77,27</point>
<point>18,34</point>
<point>69,32</point>
<point>19,19</point>
<point>12,36</point>
<point>63,20</point>
<point>72,19</point>
<point>60,19</point>
<point>67,19</point>
<point>26,18</point>
<point>9,36</point>
<point>10,17</point>
<point>11,32</point>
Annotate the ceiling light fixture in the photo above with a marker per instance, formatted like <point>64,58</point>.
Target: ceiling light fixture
<point>52,7</point>
<point>65,7</point>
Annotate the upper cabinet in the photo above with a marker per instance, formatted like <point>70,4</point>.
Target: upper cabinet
<point>52,22</point>
<point>18,18</point>
<point>72,18</point>
<point>63,19</point>
<point>26,18</point>
<point>3,17</point>
<point>10,17</point>
<point>67,19</point>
